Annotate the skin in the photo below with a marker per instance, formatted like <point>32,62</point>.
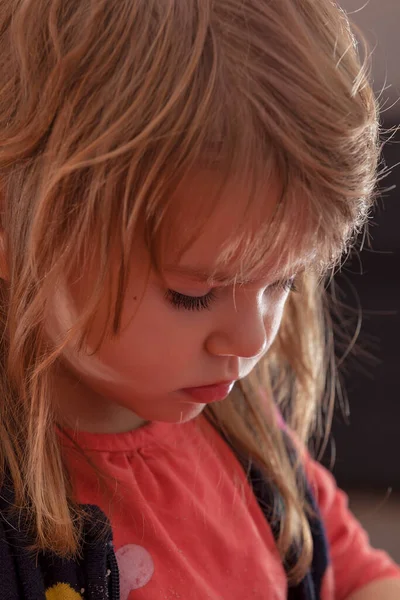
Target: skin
<point>386,589</point>
<point>162,349</point>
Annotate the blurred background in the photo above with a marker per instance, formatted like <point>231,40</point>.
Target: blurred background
<point>367,444</point>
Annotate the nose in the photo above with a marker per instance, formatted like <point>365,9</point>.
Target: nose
<point>241,331</point>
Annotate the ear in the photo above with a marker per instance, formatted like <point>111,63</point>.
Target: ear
<point>4,270</point>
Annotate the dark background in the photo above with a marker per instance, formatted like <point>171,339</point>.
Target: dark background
<point>364,448</point>
<point>368,448</point>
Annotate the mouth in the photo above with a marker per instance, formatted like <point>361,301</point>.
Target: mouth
<point>206,394</point>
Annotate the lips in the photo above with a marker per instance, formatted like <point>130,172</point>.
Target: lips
<point>210,393</point>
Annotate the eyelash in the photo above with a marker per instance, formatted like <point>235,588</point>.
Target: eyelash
<point>181,301</point>
<point>288,286</point>
<point>190,302</point>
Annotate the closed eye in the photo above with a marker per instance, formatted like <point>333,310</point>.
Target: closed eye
<point>197,303</point>
<point>182,301</point>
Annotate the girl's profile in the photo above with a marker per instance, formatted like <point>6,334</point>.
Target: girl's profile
<point>178,181</point>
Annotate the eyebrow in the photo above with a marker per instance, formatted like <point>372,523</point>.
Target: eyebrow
<point>202,276</point>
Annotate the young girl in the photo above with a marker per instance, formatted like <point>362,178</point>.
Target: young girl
<point>177,177</point>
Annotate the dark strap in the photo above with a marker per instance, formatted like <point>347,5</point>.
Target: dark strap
<point>271,504</point>
<point>26,575</point>
<point>310,587</point>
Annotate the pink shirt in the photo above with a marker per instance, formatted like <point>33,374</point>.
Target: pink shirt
<point>187,525</point>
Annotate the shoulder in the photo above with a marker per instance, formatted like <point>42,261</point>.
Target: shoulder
<point>355,563</point>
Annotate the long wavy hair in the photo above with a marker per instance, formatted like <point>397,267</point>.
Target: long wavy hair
<point>104,108</point>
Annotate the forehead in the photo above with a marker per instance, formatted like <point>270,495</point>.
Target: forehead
<point>220,229</point>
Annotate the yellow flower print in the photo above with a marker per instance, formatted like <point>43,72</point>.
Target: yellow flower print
<point>62,591</point>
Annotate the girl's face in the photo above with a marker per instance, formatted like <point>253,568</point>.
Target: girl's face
<point>178,331</point>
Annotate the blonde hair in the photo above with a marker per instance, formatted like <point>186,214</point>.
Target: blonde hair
<point>104,108</point>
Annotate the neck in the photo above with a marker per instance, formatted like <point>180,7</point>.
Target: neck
<point>79,407</point>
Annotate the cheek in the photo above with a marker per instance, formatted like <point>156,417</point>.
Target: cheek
<point>277,317</point>
<point>272,321</point>
<point>61,317</point>
<point>149,339</point>
<point>273,318</point>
